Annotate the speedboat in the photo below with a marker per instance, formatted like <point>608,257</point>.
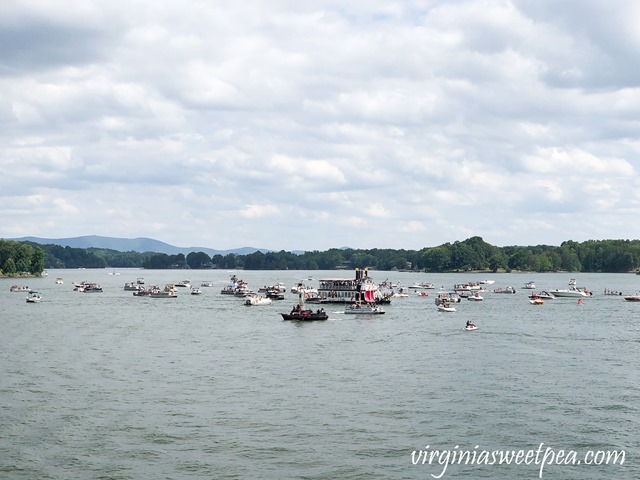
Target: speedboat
<point>184,283</point>
<point>34,297</point>
<point>475,297</point>
<point>445,307</point>
<point>536,301</point>
<point>195,291</point>
<point>530,286</point>
<point>257,300</point>
<point>572,292</point>
<point>422,286</point>
<point>543,295</point>
<point>447,298</point>
<point>470,328</point>
<point>132,286</point>
<point>633,298</point>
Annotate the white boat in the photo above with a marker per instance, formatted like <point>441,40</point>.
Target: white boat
<point>422,286</point>
<point>445,307</point>
<point>59,281</point>
<point>19,288</point>
<point>34,297</point>
<point>572,291</point>
<point>530,286</point>
<point>487,282</point>
<point>349,290</point>
<point>471,327</point>
<point>195,291</point>
<point>466,287</point>
<point>305,290</point>
<point>402,293</point>
<point>184,283</point>
<point>360,309</point>
<point>505,290</point>
<point>475,297</point>
<point>257,300</point>
<point>536,301</point>
<point>132,287</point>
<point>543,295</point>
<point>90,287</point>
<point>447,298</point>
<point>633,298</point>
<point>154,291</point>
<point>207,284</point>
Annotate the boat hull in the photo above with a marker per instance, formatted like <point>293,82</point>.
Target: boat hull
<point>305,316</point>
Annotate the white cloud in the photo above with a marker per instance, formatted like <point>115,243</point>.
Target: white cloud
<point>302,125</point>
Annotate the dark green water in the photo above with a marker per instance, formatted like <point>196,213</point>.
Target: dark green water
<point>113,386</point>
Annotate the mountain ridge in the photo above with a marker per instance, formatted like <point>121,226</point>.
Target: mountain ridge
<point>139,244</point>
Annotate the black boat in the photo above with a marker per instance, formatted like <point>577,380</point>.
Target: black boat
<point>304,314</point>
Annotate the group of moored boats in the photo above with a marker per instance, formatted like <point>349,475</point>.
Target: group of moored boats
<point>359,295</point>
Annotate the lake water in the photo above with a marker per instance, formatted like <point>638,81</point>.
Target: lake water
<point>112,386</point>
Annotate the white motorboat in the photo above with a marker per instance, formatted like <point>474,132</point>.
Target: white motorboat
<point>360,309</point>
<point>132,287</point>
<point>470,328</point>
<point>475,297</point>
<point>253,300</point>
<point>447,298</point>
<point>195,291</point>
<point>530,286</point>
<point>445,307</point>
<point>34,297</point>
<point>572,292</point>
<point>422,286</point>
<point>543,295</point>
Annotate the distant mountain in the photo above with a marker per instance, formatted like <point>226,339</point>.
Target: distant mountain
<point>133,245</point>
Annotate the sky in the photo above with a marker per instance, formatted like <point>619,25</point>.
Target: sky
<point>289,125</point>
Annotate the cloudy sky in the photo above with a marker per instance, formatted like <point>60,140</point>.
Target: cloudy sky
<point>283,124</point>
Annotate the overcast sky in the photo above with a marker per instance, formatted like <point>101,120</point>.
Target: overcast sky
<point>284,124</point>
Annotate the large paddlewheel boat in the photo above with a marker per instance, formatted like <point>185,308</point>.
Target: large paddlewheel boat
<point>349,290</point>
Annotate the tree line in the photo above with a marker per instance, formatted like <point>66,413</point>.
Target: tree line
<point>472,254</point>
<point>18,258</point>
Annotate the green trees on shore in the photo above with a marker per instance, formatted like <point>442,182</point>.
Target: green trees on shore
<point>20,258</point>
<point>472,254</point>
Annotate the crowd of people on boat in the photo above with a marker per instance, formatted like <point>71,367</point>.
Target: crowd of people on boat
<point>298,308</point>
